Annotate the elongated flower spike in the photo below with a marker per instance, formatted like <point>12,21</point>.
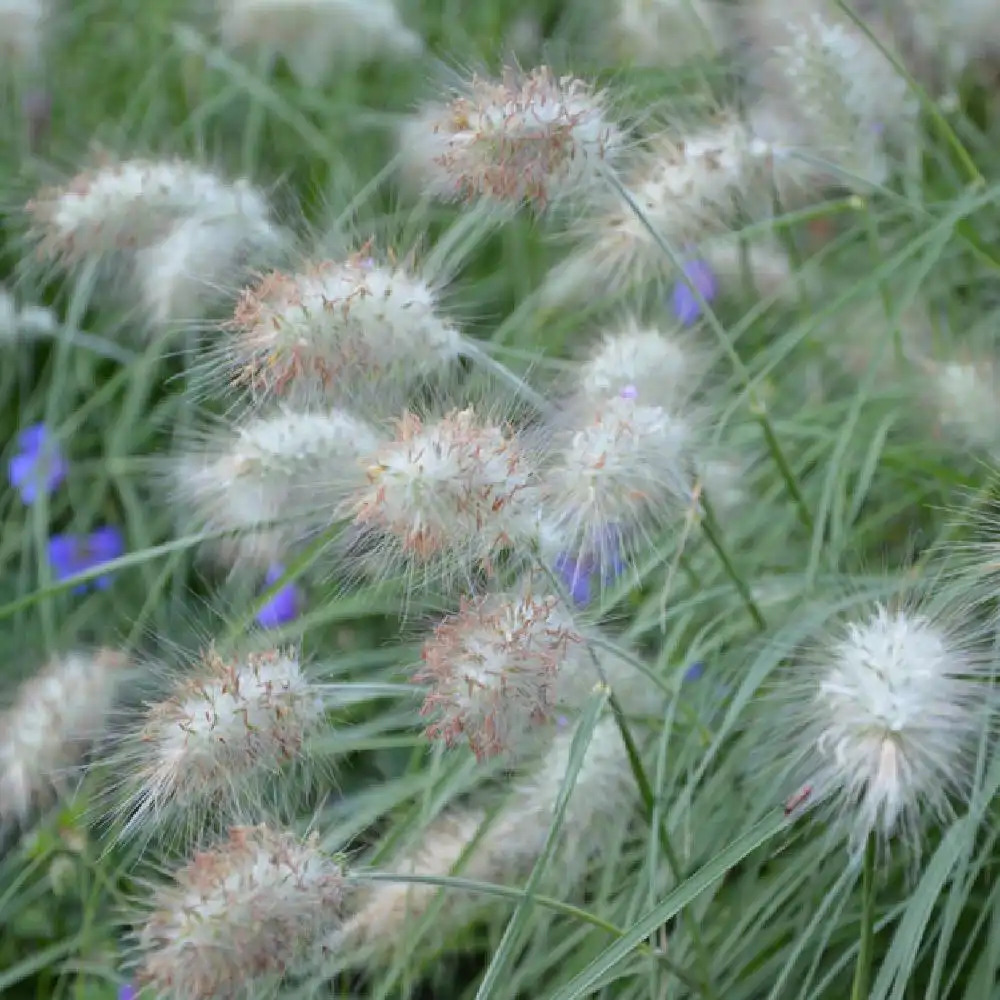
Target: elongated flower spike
<point>622,465</point>
<point>226,726</point>
<point>890,712</point>
<point>267,479</point>
<point>337,328</point>
<point>496,670</point>
<point>445,498</point>
<point>530,138</point>
<point>235,919</point>
<point>56,715</point>
<point>132,204</point>
<point>828,98</point>
<point>22,33</point>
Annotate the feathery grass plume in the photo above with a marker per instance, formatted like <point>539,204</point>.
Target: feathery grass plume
<point>828,98</point>
<point>266,479</point>
<point>619,466</point>
<point>530,138</point>
<point>338,327</point>
<point>668,32</point>
<point>944,38</point>
<point>314,36</point>
<point>226,725</point>
<point>496,667</point>
<point>234,920</point>
<point>965,402</point>
<point>689,184</point>
<point>600,804</point>
<point>664,366</point>
<point>45,732</point>
<point>181,275</point>
<point>886,714</point>
<point>22,33</point>
<point>132,204</point>
<point>445,497</point>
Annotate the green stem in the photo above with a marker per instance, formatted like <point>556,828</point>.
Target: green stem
<point>711,529</point>
<point>781,460</point>
<point>862,971</point>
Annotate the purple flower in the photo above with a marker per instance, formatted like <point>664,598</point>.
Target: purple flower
<point>578,571</point>
<point>283,607</point>
<point>73,554</point>
<point>38,466</point>
<point>695,671</point>
<point>127,992</point>
<point>686,307</point>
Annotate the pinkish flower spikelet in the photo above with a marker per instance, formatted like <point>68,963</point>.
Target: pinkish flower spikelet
<point>494,668</point>
<point>238,917</point>
<point>458,489</point>
<point>533,137</point>
<point>337,324</point>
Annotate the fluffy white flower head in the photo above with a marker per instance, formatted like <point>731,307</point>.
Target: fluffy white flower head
<point>197,259</point>
<point>339,323</point>
<point>663,368</point>
<point>47,729</point>
<point>832,94</point>
<point>314,35</point>
<point>450,493</point>
<point>967,402</point>
<point>494,669</point>
<point>531,137</point>
<point>896,711</point>
<point>622,469</point>
<point>129,205</point>
<point>230,721</point>
<point>239,916</point>
<point>265,479</point>
<point>687,186</point>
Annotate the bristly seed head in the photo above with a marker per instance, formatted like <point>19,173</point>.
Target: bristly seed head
<point>132,204</point>
<point>896,705</point>
<point>237,918</point>
<point>458,490</point>
<point>336,326</point>
<point>231,722</point>
<point>267,479</point>
<point>47,729</point>
<point>494,669</point>
<point>620,465</point>
<point>531,138</point>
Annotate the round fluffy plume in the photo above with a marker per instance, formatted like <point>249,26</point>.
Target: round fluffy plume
<point>619,468</point>
<point>132,204</point>
<point>225,726</point>
<point>531,137</point>
<point>887,715</point>
<point>495,669</point>
<point>445,497</point>
<point>234,920</point>
<point>688,184</point>
<point>664,367</point>
<point>831,106</point>
<point>315,36</point>
<point>965,404</point>
<point>337,328</point>
<point>55,716</point>
<point>268,479</point>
